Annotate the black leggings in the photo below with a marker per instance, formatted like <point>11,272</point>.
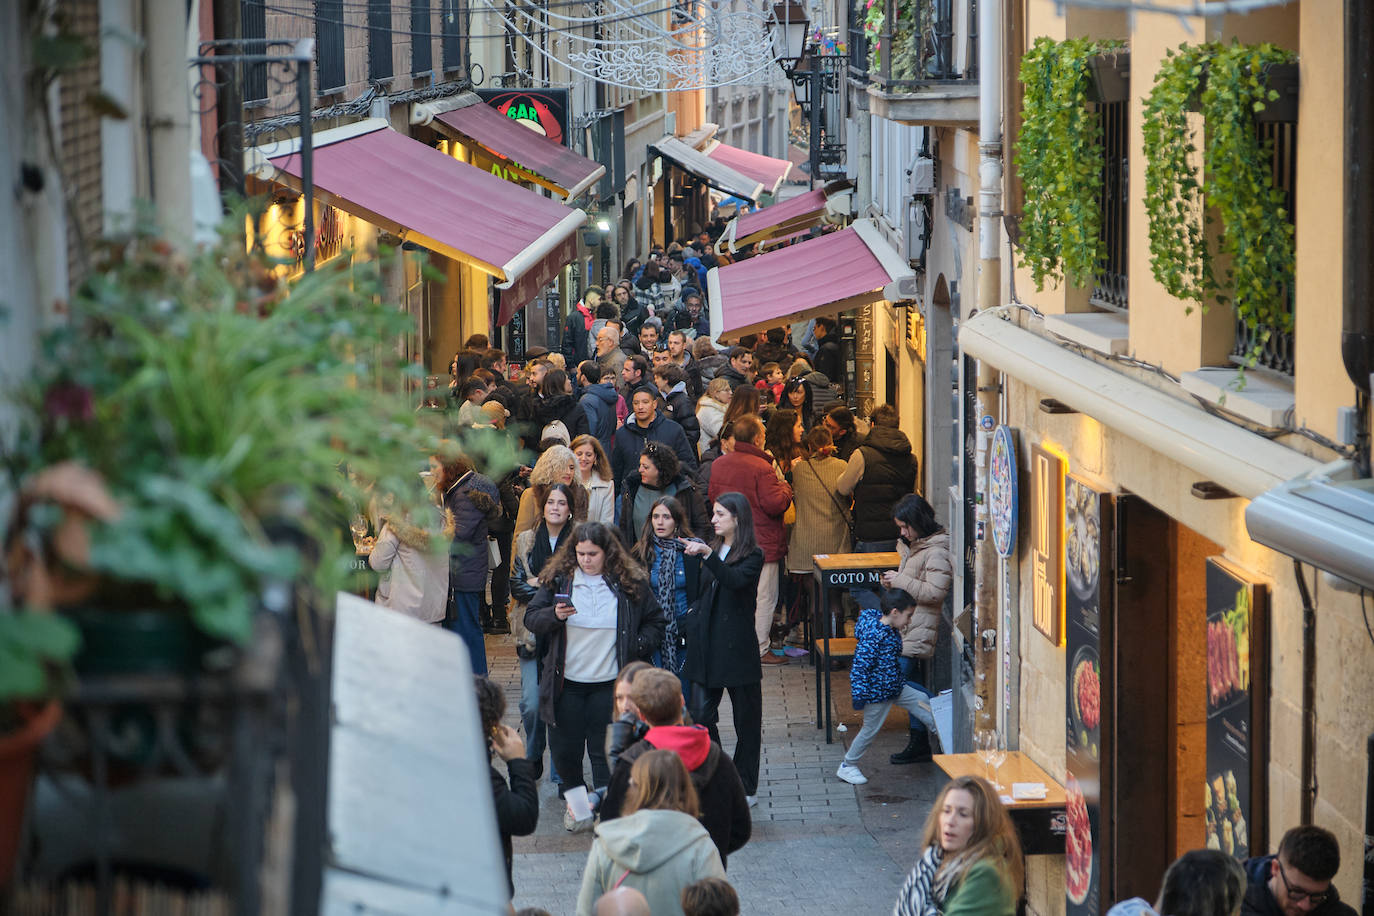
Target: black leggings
<point>582,712</point>
<point>747,704</point>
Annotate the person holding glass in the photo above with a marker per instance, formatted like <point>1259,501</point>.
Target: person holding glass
<point>596,612</point>
<point>972,863</point>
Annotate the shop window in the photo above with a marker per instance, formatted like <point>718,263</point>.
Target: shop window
<point>421,43</point>
<point>1276,353</point>
<point>329,41</point>
<point>1110,285</point>
<point>379,66</point>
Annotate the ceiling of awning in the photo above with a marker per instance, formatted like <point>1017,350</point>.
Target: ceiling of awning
<point>716,174</point>
<point>786,218</point>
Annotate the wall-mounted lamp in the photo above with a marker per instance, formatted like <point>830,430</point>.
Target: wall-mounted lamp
<point>1051,405</point>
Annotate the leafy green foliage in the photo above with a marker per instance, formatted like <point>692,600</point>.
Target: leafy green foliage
<point>34,648</point>
<point>1059,157</point>
<point>1237,185</point>
<point>236,418</point>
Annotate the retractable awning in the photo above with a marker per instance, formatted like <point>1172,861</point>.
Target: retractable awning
<point>537,158</point>
<point>405,187</point>
<point>818,277</point>
<point>768,171</point>
<point>788,217</point>
<point>716,174</point>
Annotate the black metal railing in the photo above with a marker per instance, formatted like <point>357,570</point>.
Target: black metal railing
<point>421,38</point>
<point>858,40</point>
<point>329,45</point>
<point>915,45</point>
<point>379,64</point>
<point>1109,285</point>
<point>1271,346</point>
<point>827,95</point>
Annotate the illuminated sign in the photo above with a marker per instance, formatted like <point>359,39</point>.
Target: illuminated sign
<point>544,111</point>
<point>1047,542</point>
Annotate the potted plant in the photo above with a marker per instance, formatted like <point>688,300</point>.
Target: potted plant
<point>35,648</point>
<point>233,419</point>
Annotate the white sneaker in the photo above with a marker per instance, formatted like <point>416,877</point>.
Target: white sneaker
<point>850,774</point>
<point>753,800</point>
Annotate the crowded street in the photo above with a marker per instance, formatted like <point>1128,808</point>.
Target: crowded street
<point>706,458</point>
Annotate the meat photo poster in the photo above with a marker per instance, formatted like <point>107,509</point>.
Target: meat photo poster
<point>1236,652</point>
<point>1086,554</point>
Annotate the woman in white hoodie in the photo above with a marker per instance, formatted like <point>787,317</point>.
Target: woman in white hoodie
<point>594,473</point>
<point>658,847</point>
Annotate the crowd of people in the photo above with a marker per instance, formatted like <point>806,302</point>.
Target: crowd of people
<point>654,556</point>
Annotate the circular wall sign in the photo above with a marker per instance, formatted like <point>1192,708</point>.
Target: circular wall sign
<point>1002,491</point>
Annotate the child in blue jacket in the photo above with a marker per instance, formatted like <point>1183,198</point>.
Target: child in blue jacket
<point>876,679</point>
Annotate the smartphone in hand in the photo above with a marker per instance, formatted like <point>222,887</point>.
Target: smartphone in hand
<point>562,598</point>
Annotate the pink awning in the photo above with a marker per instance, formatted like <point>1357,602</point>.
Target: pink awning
<point>413,190</point>
<point>550,164</point>
<point>800,282</point>
<point>766,170</point>
<point>783,219</point>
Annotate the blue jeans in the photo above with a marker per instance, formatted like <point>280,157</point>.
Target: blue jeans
<point>867,597</point>
<point>463,621</point>
<point>535,734</point>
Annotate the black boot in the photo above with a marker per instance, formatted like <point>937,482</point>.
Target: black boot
<point>917,748</point>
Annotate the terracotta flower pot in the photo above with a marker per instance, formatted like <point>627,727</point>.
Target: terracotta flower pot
<point>17,752</point>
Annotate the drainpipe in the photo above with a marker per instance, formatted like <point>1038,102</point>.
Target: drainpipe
<point>989,294</point>
<point>1309,698</point>
<point>168,103</point>
<point>1357,336</point>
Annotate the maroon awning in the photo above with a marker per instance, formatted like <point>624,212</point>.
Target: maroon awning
<point>413,190</point>
<point>766,170</point>
<point>783,219</point>
<point>550,164</point>
<point>803,281</point>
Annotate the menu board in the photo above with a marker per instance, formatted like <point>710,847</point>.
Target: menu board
<point>1087,521</point>
<point>1236,653</point>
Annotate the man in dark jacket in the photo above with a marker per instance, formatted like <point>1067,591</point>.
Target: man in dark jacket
<point>474,502</point>
<point>749,470</point>
<point>577,338</point>
<point>828,358</point>
<point>880,472</point>
<point>657,696</point>
<point>672,381</point>
<point>775,348</point>
<point>644,425</point>
<point>1296,881</point>
<point>708,361</point>
<point>741,368</point>
<point>598,402</point>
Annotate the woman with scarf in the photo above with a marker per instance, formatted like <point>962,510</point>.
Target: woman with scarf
<point>672,575</point>
<point>972,864</point>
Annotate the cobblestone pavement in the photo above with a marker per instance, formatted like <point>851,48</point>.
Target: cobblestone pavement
<point>819,845</point>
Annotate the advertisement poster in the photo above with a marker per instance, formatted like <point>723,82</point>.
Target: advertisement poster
<point>544,111</point>
<point>1086,595</point>
<point>1235,654</point>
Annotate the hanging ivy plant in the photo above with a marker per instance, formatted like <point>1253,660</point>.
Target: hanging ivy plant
<point>1059,157</point>
<point>1257,234</point>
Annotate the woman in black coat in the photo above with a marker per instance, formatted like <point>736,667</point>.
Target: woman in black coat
<point>558,403</point>
<point>722,649</point>
<point>659,475</point>
<point>595,610</point>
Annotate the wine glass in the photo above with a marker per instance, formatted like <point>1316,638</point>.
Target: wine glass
<point>358,526</point>
<point>985,744</point>
<point>999,756</point>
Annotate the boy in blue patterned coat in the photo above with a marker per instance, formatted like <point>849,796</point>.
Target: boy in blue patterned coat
<point>876,679</point>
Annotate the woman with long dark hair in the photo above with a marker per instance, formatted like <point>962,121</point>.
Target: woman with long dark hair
<point>556,402</point>
<point>673,575</point>
<point>972,863</point>
<point>797,395</point>
<point>743,402</point>
<point>597,613</point>
<point>782,438</point>
<point>533,550</point>
<point>722,648</point>
<point>659,474</point>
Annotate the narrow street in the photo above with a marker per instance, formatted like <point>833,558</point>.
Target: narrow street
<point>819,844</point>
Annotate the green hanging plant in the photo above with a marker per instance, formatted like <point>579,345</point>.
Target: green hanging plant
<point>1237,186</point>
<point>1059,157</point>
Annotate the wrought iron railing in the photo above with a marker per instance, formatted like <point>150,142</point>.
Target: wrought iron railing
<point>915,43</point>
<point>858,40</point>
<point>1271,346</point>
<point>828,97</point>
<point>1110,284</point>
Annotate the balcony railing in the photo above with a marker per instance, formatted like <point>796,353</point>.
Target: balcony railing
<point>915,43</point>
<point>858,41</point>
<point>1274,351</point>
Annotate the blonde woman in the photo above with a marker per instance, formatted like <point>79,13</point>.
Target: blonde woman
<point>556,465</point>
<point>413,560</point>
<point>711,411</point>
<point>594,473</point>
<point>658,847</point>
<point>972,864</point>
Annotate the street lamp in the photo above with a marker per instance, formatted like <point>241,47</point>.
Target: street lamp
<point>790,26</point>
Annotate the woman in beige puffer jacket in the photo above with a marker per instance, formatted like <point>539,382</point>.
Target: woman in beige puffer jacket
<point>926,572</point>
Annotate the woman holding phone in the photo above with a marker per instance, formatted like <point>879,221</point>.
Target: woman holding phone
<point>597,613</point>
<point>722,648</point>
<point>673,575</point>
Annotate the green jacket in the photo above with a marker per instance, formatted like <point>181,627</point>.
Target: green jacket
<point>656,852</point>
<point>983,891</point>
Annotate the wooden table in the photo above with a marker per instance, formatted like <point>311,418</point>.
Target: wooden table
<point>838,570</point>
<point>1041,823</point>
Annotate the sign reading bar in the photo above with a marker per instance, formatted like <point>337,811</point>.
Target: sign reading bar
<point>544,111</point>
<point>1047,543</point>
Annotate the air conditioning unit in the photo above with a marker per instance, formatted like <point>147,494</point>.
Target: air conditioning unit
<point>904,289</point>
<point>916,232</point>
<point>920,177</point>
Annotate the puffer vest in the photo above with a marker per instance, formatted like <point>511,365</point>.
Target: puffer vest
<point>889,474</point>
